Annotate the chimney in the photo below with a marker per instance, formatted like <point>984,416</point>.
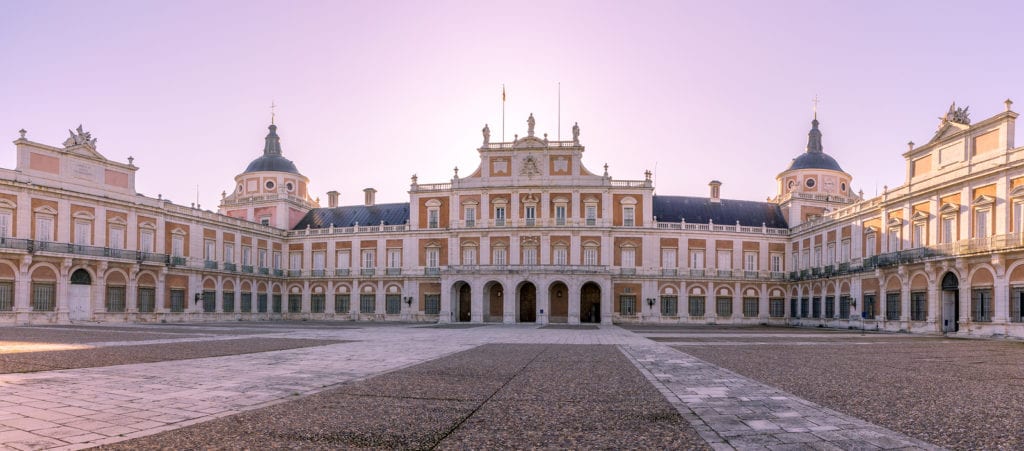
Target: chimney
<point>716,191</point>
<point>370,192</point>
<point>332,199</point>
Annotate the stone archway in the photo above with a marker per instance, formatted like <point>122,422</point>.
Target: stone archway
<point>80,295</point>
<point>494,305</point>
<point>558,293</point>
<point>463,296</point>
<point>950,303</point>
<point>526,305</point>
<point>590,303</point>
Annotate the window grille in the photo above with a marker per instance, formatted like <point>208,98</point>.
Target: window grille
<point>393,304</point>
<point>177,301</point>
<point>147,300</point>
<point>294,303</point>
<point>844,307</point>
<point>869,308</point>
<point>669,305</point>
<point>1017,304</point>
<point>816,307</point>
<point>918,306</point>
<point>696,306</point>
<point>627,305</point>
<point>750,307</point>
<point>804,307</point>
<point>830,306</point>
<point>115,299</point>
<point>981,305</point>
<point>793,312</point>
<point>367,303</point>
<point>432,304</point>
<point>342,303</point>
<point>6,296</point>
<point>276,300</point>
<point>246,302</point>
<point>723,306</point>
<point>777,307</point>
<point>316,303</point>
<point>209,301</point>
<point>229,302</point>
<point>892,306</point>
<point>261,303</point>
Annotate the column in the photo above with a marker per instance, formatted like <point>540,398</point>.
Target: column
<point>573,298</point>
<point>606,302</point>
<point>762,303</point>
<point>445,315</point>
<point>476,303</point>
<point>508,303</point>
<point>710,312</point>
<point>543,304</point>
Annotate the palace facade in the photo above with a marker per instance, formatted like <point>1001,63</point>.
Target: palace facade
<point>531,235</point>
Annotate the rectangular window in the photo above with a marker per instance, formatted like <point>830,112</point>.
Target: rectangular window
<point>367,303</point>
<point>627,305</point>
<point>948,229</point>
<point>5,223</point>
<point>669,305</point>
<point>830,255</point>
<point>275,301</point>
<point>776,262</point>
<point>805,260</point>
<point>294,261</point>
<point>981,305</point>
<point>317,302</point>
<point>894,239</point>
<point>530,211</point>
<point>869,245</point>
<point>816,307</point>
<point>177,246</point>
<point>229,253</point>
<point>918,235</point>
<point>146,241</point>
<point>499,256</point>
<point>750,261</point>
<point>590,256</point>
<point>628,257</point>
<point>393,304</point>
<point>793,312</point>
<point>209,250</point>
<point>697,259</point>
<point>723,307</point>
<point>844,252</point>
<point>116,238</point>
<point>44,227</point>
<point>668,258</point>
<point>395,258</point>
<point>1018,217</point>
<point>83,233</point>
<point>431,304</point>
<point>469,255</point>
<point>844,307</point>
<point>294,303</point>
<point>342,303</point>
<point>246,302</point>
<point>499,216</point>
<point>724,259</point>
<point>628,216</point>
<point>750,307</point>
<point>276,256</point>
<point>433,260</point>
<point>696,306</point>
<point>369,259</point>
<point>591,212</point>
<point>115,299</point>
<point>209,301</point>
<point>228,303</point>
<point>777,307</point>
<point>261,258</point>
<point>561,256</point>
<point>892,306</point>
<point>146,299</point>
<point>830,306</point>
<point>470,214</point>
<point>805,308</point>
<point>817,256</point>
<point>433,218</point>
<point>344,259</point>
<point>319,260</point>
<point>918,306</point>
<point>261,303</point>
<point>560,214</point>
<point>869,310</point>
<point>1017,305</point>
<point>177,301</point>
<point>981,222</point>
<point>530,256</point>
<point>246,256</point>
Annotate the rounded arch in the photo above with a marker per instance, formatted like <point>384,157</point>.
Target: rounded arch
<point>209,284</point>
<point>494,300</point>
<point>696,290</point>
<point>526,301</point>
<point>794,292</point>
<point>393,288</point>
<point>261,287</point>
<point>869,285</point>
<point>245,286</point>
<point>558,301</point>
<point>669,289</point>
<point>462,301</point>
<point>723,291</point>
<point>950,281</point>
<point>750,291</point>
<point>317,288</point>
<point>844,288</point>
<point>146,279</point>
<point>81,276</point>
<point>367,288</point>
<point>276,288</point>
<point>919,281</point>
<point>893,283</point>
<point>590,302</point>
<point>342,288</point>
<point>776,292</point>
<point>1015,273</point>
<point>228,285</point>
<point>7,270</point>
<point>294,288</point>
<point>817,289</point>
<point>981,276</point>
<point>116,277</point>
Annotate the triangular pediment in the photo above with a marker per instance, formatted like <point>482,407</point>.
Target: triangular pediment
<point>85,150</point>
<point>948,130</point>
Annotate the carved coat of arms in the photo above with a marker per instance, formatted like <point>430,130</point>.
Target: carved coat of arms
<point>530,167</point>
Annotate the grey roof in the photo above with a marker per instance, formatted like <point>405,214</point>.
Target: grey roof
<point>815,157</point>
<point>699,210</point>
<point>271,160</point>
<point>391,214</point>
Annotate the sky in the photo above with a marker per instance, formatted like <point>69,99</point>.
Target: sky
<point>370,93</point>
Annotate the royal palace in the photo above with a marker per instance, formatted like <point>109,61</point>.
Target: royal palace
<point>530,235</point>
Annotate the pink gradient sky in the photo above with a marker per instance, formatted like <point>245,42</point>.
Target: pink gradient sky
<point>369,93</point>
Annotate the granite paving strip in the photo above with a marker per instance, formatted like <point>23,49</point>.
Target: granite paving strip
<point>962,394</point>
<point>493,396</point>
<point>121,355</point>
<point>731,411</point>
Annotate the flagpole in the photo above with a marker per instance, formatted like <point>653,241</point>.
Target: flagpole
<point>503,112</point>
<point>559,111</point>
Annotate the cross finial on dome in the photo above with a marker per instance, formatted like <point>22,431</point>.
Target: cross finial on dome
<point>815,101</point>
<point>272,106</point>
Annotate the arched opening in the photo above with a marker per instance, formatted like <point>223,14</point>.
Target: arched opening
<point>558,293</point>
<point>527,305</point>
<point>494,308</point>
<point>80,295</point>
<point>462,301</point>
<point>950,303</point>
<point>590,303</point>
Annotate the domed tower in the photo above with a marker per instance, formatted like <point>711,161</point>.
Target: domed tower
<point>814,183</point>
<point>270,190</point>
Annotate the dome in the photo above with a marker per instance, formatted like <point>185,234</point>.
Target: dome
<point>271,160</point>
<point>815,157</point>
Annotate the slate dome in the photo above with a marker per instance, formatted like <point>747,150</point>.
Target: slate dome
<point>271,160</point>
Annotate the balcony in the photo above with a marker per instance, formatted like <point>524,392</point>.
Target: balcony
<point>318,273</point>
<point>470,223</point>
<point>627,271</point>
<point>499,222</point>
<point>432,271</point>
<point>367,272</point>
<point>264,271</point>
<point>294,272</point>
<point>247,269</point>
<point>696,272</point>
<point>526,269</point>
<point>176,261</point>
<point>341,272</point>
<point>559,221</point>
<point>669,272</point>
<point>278,273</point>
<point>209,264</point>
<point>230,267</point>
<point>724,273</point>
<point>393,271</point>
<point>530,222</point>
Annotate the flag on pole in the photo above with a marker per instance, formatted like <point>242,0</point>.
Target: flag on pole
<point>502,93</point>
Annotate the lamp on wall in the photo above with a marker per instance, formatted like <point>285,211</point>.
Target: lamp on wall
<point>408,300</point>
<point>650,302</point>
<point>199,297</point>
<point>558,293</point>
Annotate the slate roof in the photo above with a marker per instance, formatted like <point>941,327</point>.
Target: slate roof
<point>391,214</point>
<point>815,156</point>
<point>698,210</point>
<point>271,160</point>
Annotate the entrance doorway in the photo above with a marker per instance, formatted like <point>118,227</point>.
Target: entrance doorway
<point>590,303</point>
<point>559,296</point>
<point>527,303</point>
<point>464,302</point>
<point>79,296</point>
<point>495,309</point>
<point>950,303</point>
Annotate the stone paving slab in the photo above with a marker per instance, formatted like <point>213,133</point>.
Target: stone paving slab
<point>734,412</point>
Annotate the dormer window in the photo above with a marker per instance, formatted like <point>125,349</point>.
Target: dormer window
<point>433,213</point>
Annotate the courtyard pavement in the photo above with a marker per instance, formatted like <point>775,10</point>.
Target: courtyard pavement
<point>141,392</point>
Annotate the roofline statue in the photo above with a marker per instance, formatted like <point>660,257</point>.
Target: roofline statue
<point>82,137</point>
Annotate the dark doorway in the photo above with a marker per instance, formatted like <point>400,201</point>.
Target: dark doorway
<point>950,303</point>
<point>528,303</point>
<point>559,304</point>
<point>81,277</point>
<point>464,302</point>
<point>590,303</point>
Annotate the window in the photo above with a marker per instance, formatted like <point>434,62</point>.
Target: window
<point>669,305</point>
<point>724,260</point>
<point>844,307</point>
<point>246,302</point>
<point>777,307</point>
<point>367,303</point>
<point>869,310</point>
<point>261,258</point>
<point>470,214</point>
<point>319,260</point>
<point>892,306</point>
<point>269,184</point>
<point>289,186</point>
<point>210,250</point>
<point>499,256</point>
<point>750,261</point>
<point>316,302</point>
<point>115,299</point>
<point>561,256</point>
<point>627,305</point>
<point>393,304</point>
<point>805,309</point>
<point>261,303</point>
<point>246,255</point>
<point>830,306</point>
<point>793,312</point>
<point>433,216</point>
<point>395,258</point>
<point>830,255</point>
<point>530,255</point>
<point>696,306</point>
<point>433,260</point>
<point>469,255</point>
<point>5,223</point>
<point>918,306</point>
<point>1017,305</point>
<point>294,261</point>
<point>116,237</point>
<point>228,303</point>
<point>83,232</point>
<point>369,259</point>
<point>275,301</point>
<point>265,221</point>
<point>776,262</point>
<point>294,303</point>
<point>869,245</point>
<point>530,211</point>
<point>177,301</point>
<point>590,255</point>
<point>697,259</point>
<point>560,214</point>
<point>750,307</point>
<point>342,303</point>
<point>816,307</point>
<point>1018,217</point>
<point>981,305</point>
<point>146,240</point>
<point>499,216</point>
<point>723,306</point>
<point>918,235</point>
<point>431,304</point>
<point>277,259</point>
<point>177,246</point>
<point>668,258</point>
<point>229,253</point>
<point>591,214</point>
<point>817,256</point>
<point>795,261</point>
<point>981,223</point>
<point>894,239</point>
<point>844,252</point>
<point>146,299</point>
<point>628,257</point>
<point>948,229</point>
<point>209,301</point>
<point>628,216</point>
<point>44,227</point>
<point>344,259</point>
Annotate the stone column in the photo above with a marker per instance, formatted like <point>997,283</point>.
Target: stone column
<point>543,304</point>
<point>476,303</point>
<point>606,303</point>
<point>573,299</point>
<point>445,314</point>
<point>508,303</point>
